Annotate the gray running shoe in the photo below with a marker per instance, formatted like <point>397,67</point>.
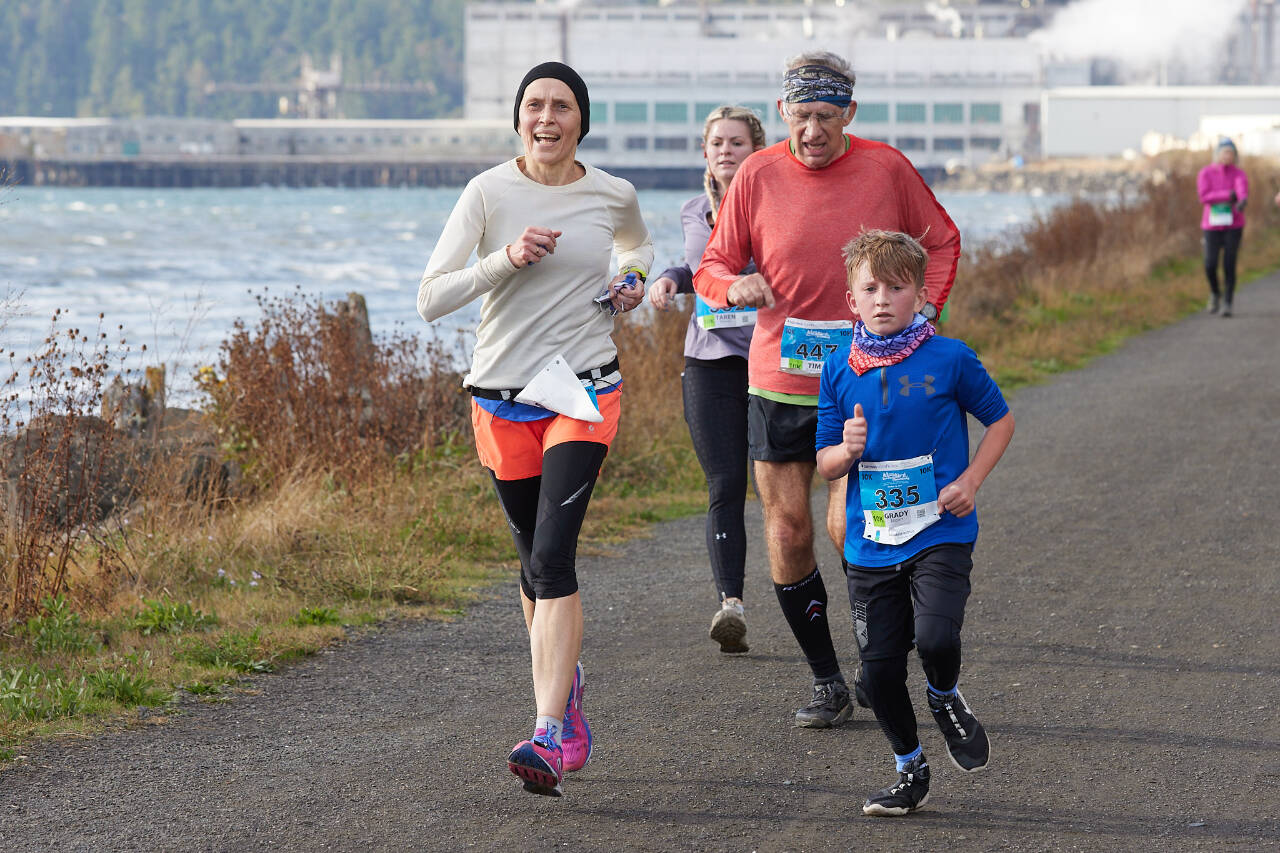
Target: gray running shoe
<point>729,627</point>
<point>829,707</point>
<point>909,795</point>
<point>967,742</point>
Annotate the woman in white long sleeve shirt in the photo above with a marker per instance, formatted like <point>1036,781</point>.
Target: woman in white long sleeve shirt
<point>544,227</point>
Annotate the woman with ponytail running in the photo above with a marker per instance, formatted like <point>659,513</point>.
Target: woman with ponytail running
<point>715,371</point>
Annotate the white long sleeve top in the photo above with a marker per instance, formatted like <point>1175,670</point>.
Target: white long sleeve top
<point>530,314</point>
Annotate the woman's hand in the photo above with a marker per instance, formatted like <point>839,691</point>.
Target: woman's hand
<point>662,292</point>
<point>534,245</point>
<point>626,295</point>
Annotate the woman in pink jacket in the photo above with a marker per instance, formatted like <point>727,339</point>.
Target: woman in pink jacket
<point>1224,189</point>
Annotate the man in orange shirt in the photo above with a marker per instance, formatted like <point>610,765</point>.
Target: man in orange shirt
<point>791,208</point>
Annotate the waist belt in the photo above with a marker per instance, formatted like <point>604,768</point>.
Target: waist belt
<point>609,372</point>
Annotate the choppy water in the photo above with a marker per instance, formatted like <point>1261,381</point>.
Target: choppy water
<point>176,267</point>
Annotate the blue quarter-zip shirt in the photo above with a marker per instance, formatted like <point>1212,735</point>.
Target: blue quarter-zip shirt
<point>913,408</point>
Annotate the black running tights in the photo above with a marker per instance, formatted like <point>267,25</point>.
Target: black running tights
<point>545,516</point>
<point>715,408</point>
<point>1224,242</point>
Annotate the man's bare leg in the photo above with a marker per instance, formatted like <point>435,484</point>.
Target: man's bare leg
<point>836,512</point>
<point>784,489</point>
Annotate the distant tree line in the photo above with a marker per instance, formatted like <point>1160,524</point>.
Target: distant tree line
<point>125,58</point>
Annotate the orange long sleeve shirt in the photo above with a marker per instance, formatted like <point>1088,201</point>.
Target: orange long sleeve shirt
<point>794,221</point>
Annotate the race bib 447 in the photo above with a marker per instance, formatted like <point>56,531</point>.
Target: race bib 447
<point>807,343</point>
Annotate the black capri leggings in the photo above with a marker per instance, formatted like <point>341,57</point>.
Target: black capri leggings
<point>715,408</point>
<point>1224,242</point>
<point>545,516</point>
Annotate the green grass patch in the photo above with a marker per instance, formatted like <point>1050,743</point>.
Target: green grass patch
<point>232,650</point>
<point>30,693</point>
<point>57,629</point>
<point>170,617</point>
<point>317,616</point>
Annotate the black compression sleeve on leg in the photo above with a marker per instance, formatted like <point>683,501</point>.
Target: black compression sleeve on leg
<point>519,502</point>
<point>938,644</point>
<point>804,603</point>
<point>569,474</point>
<point>885,681</point>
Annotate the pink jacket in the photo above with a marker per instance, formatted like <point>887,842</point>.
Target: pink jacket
<point>1216,183</point>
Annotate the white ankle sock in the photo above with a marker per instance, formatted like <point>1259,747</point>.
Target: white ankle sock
<point>552,725</point>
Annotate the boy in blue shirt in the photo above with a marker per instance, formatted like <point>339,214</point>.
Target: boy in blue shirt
<point>891,413</point>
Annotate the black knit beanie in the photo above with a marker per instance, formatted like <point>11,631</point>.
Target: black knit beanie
<point>565,74</point>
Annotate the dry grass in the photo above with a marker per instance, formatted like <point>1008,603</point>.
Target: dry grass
<point>64,465</point>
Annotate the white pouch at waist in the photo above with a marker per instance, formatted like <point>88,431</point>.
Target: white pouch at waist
<point>557,388</point>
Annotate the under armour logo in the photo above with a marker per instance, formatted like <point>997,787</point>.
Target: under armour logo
<point>815,609</point>
<point>907,385</point>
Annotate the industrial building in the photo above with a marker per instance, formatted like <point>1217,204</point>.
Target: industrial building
<point>951,83</point>
<point>949,89</point>
<point>1105,121</point>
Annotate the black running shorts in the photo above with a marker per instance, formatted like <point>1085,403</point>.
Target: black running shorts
<point>781,432</point>
<point>887,600</point>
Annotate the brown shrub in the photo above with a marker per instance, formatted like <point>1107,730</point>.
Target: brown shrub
<point>310,388</point>
<point>59,466</point>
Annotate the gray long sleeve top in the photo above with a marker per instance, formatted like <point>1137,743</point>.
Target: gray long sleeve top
<point>700,343</point>
<point>530,314</point>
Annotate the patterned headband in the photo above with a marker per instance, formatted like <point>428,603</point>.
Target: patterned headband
<point>816,83</point>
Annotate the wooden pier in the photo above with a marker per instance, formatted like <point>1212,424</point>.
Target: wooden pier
<point>238,172</point>
<point>294,171</point>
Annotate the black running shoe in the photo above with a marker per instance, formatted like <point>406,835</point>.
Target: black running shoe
<point>967,742</point>
<point>909,795</point>
<point>860,689</point>
<point>829,707</point>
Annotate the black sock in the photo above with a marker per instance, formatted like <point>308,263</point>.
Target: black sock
<point>804,603</point>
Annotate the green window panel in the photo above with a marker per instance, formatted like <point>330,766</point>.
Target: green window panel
<point>599,113</point>
<point>984,113</point>
<point>703,109</point>
<point>872,113</point>
<point>762,110</point>
<point>910,113</point>
<point>948,113</point>
<point>630,112</point>
<point>671,112</point>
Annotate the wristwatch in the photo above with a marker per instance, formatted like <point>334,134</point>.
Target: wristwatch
<point>930,311</point>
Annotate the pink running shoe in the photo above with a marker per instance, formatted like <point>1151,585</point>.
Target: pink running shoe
<point>538,761</point>
<point>576,736</point>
